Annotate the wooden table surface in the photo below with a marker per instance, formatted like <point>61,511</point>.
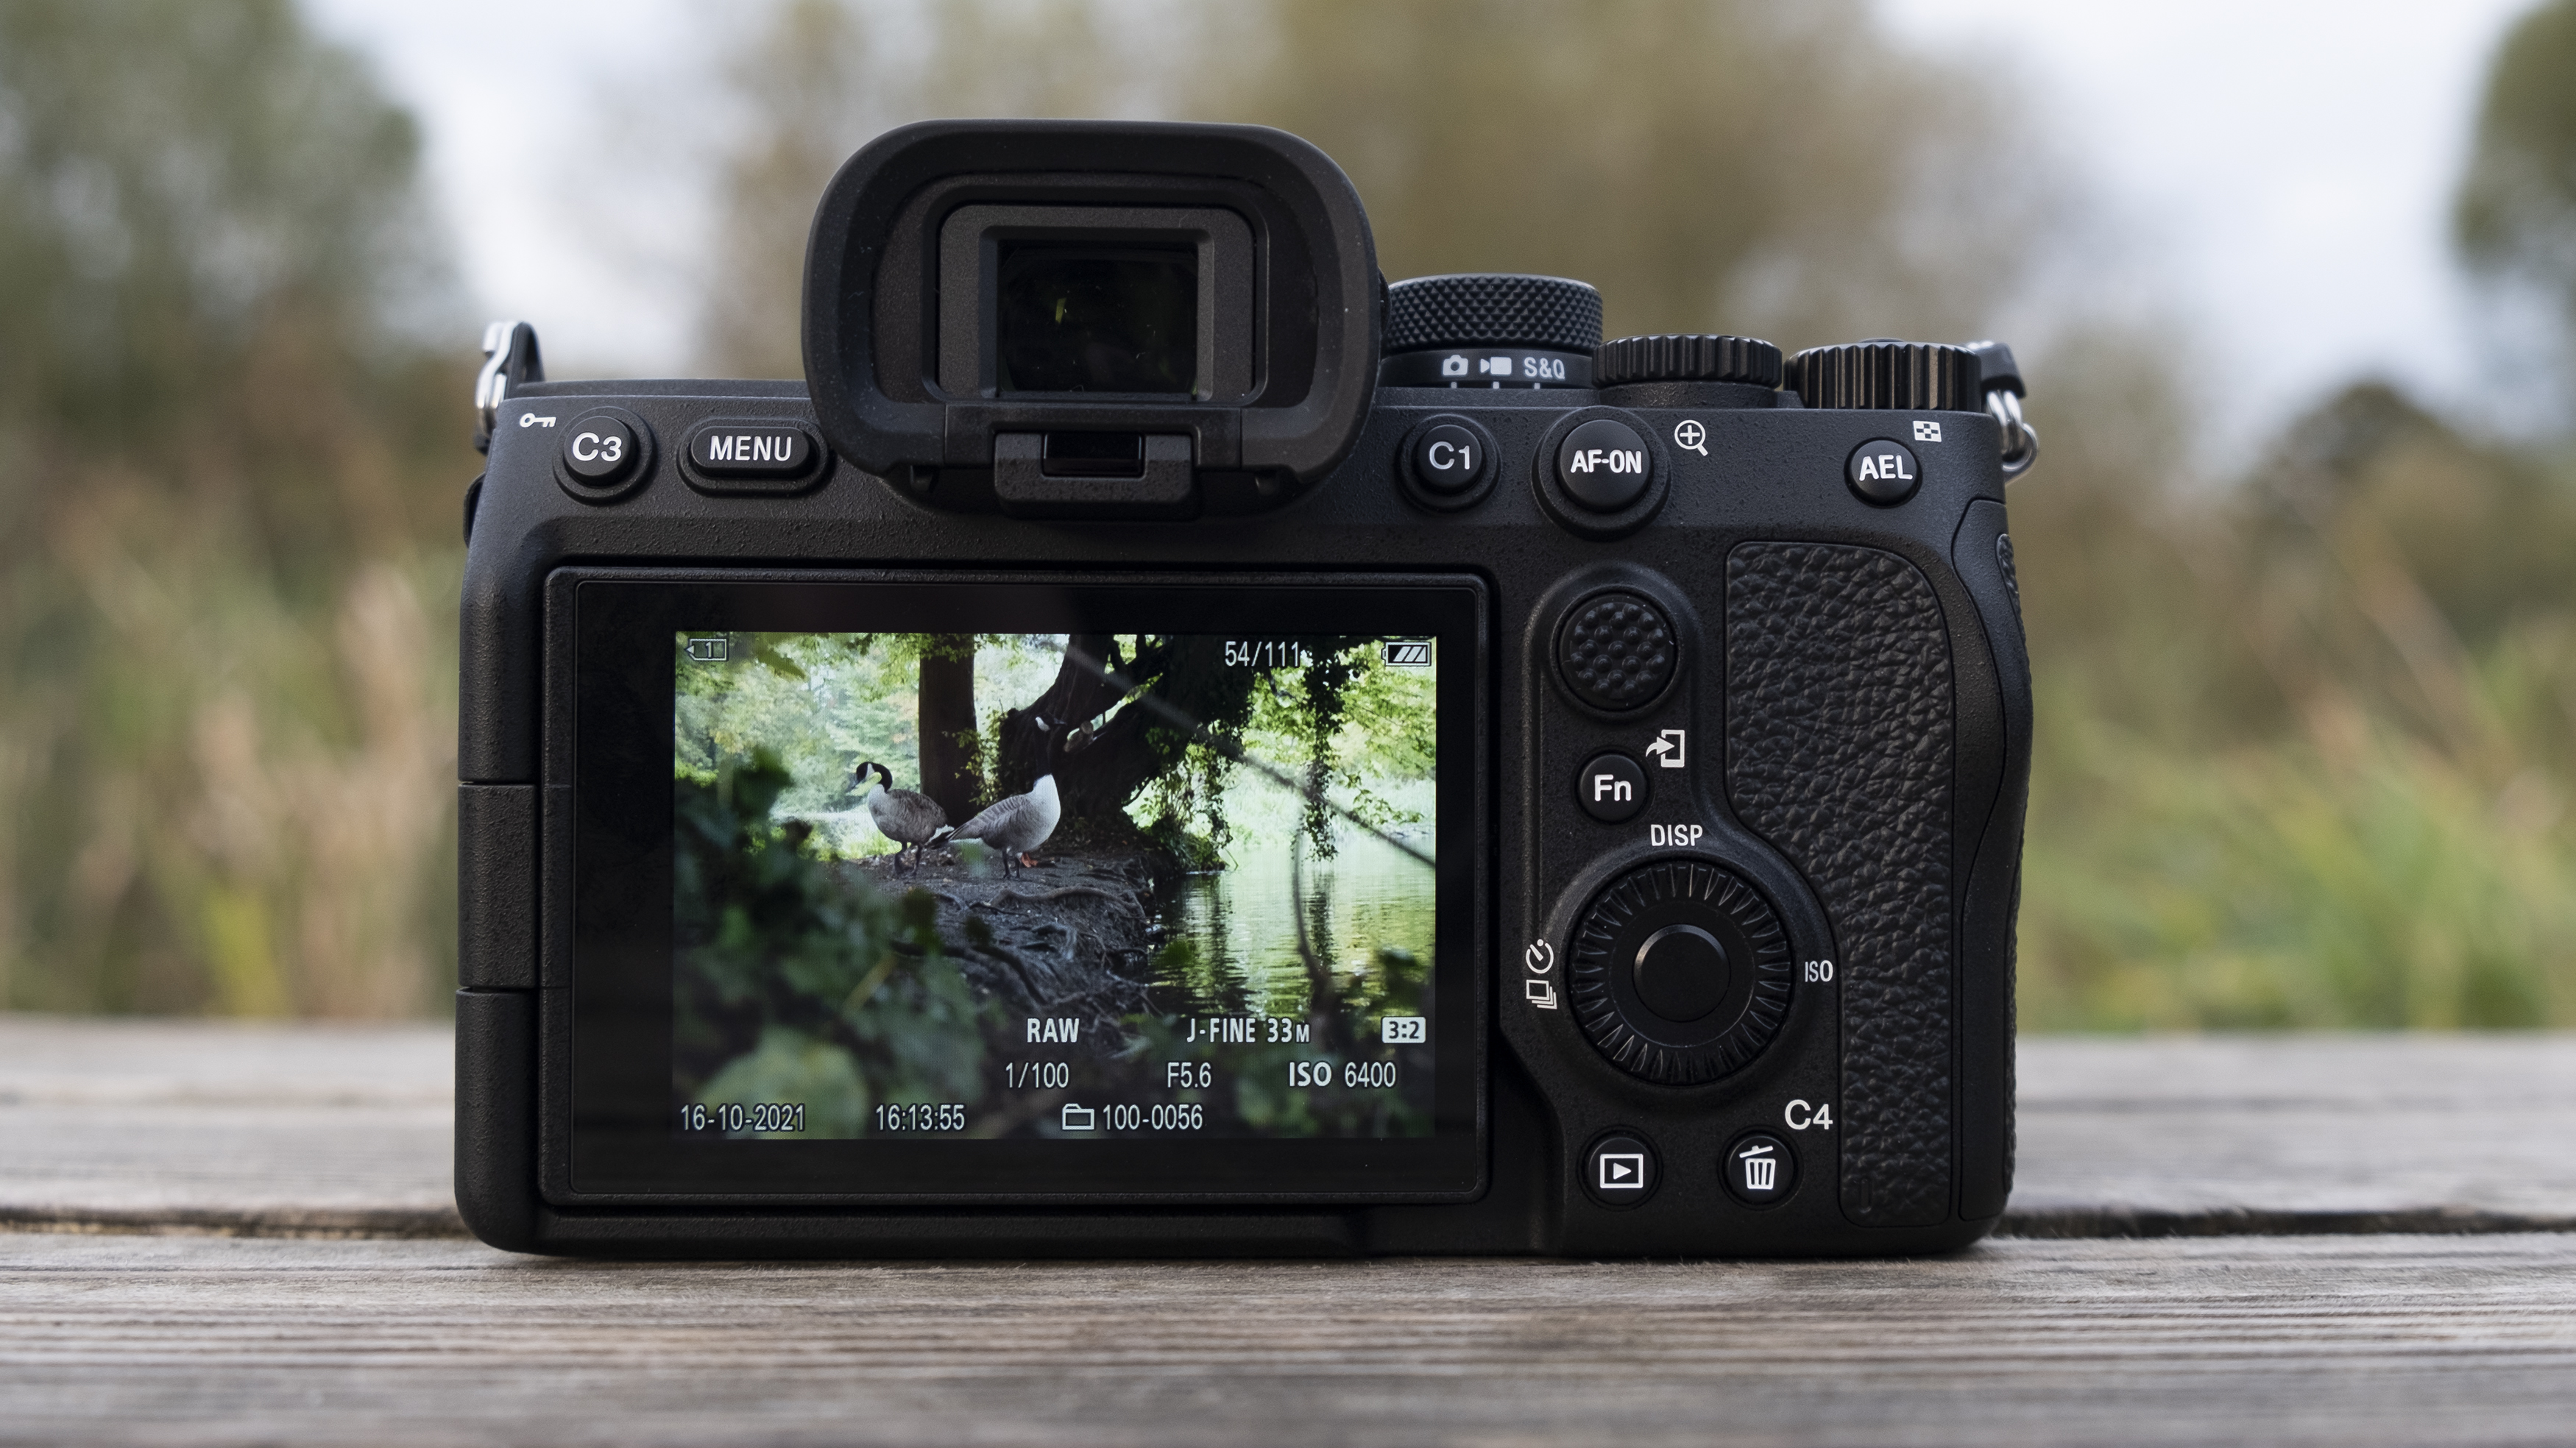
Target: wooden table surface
<point>229,1234</point>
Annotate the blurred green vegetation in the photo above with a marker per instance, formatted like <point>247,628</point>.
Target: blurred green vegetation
<point>227,515</point>
<point>2307,718</point>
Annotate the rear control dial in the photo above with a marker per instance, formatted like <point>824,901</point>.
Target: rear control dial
<point>1616,651</point>
<point>1882,373</point>
<point>1681,972</point>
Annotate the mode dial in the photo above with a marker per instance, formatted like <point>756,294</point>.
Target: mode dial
<point>1490,329</point>
<point>1900,376</point>
<point>1681,972</point>
<point>1687,357</point>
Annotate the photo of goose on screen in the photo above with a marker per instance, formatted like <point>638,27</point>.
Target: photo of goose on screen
<point>1059,886</point>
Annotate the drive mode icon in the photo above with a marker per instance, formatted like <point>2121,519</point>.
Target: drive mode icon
<point>1620,1171</point>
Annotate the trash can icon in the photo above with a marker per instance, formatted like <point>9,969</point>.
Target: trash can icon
<point>1761,1168</point>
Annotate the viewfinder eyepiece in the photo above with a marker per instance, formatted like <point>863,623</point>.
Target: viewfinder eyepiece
<point>1074,318</point>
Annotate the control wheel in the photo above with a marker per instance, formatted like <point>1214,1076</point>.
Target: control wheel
<point>1681,972</point>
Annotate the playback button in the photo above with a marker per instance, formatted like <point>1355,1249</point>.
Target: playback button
<point>1620,1171</point>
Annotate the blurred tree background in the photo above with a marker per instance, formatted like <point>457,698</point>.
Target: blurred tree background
<point>228,517</point>
<point>2307,717</point>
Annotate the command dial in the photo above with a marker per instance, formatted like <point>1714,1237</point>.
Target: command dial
<point>1687,357</point>
<point>1880,373</point>
<point>1681,972</point>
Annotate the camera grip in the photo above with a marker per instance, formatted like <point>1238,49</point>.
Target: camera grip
<point>1840,732</point>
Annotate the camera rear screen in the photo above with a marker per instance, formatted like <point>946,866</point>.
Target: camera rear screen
<point>902,889</point>
<point>1073,318</point>
<point>1061,886</point>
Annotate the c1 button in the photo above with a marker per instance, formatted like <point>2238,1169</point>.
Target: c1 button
<point>1620,1171</point>
<point>1448,459</point>
<point>1759,1169</point>
<point>1611,788</point>
<point>599,450</point>
<point>1604,465</point>
<point>1883,472</point>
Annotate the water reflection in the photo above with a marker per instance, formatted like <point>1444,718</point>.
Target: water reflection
<point>1230,938</point>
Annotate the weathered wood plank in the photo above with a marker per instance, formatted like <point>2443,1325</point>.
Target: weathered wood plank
<point>2376,1132</point>
<point>2338,1340</point>
<point>338,1129</point>
<point>222,1126</point>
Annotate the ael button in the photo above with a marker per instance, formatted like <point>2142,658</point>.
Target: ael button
<point>1620,1171</point>
<point>1883,472</point>
<point>1759,1169</point>
<point>1611,788</point>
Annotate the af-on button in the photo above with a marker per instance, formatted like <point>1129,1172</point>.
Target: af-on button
<point>1604,465</point>
<point>1600,474</point>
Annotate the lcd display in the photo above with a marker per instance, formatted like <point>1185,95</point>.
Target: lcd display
<point>892,889</point>
<point>1076,887</point>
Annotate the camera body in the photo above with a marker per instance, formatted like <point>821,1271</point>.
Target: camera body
<point>1427,782</point>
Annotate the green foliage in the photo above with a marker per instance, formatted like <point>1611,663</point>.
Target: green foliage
<point>799,983</point>
<point>1779,171</point>
<point>227,522</point>
<point>2305,744</point>
<point>2515,213</point>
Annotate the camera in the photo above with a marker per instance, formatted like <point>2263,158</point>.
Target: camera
<point>1166,743</point>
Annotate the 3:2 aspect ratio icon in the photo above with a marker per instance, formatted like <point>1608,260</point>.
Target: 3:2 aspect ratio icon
<point>1403,1030</point>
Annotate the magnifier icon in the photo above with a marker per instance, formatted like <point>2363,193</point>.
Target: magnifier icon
<point>1689,434</point>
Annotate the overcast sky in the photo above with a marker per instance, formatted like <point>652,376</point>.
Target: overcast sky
<point>2282,168</point>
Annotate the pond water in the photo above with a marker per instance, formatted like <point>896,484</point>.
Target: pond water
<point>1230,938</point>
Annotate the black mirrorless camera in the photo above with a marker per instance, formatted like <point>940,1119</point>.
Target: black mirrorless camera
<point>1165,743</point>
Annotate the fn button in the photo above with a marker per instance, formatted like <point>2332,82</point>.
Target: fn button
<point>1611,788</point>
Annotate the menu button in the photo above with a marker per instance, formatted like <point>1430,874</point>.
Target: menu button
<point>750,456</point>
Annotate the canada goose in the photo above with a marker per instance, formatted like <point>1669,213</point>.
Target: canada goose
<point>1022,822</point>
<point>913,821</point>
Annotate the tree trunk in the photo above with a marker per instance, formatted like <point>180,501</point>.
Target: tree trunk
<point>946,719</point>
